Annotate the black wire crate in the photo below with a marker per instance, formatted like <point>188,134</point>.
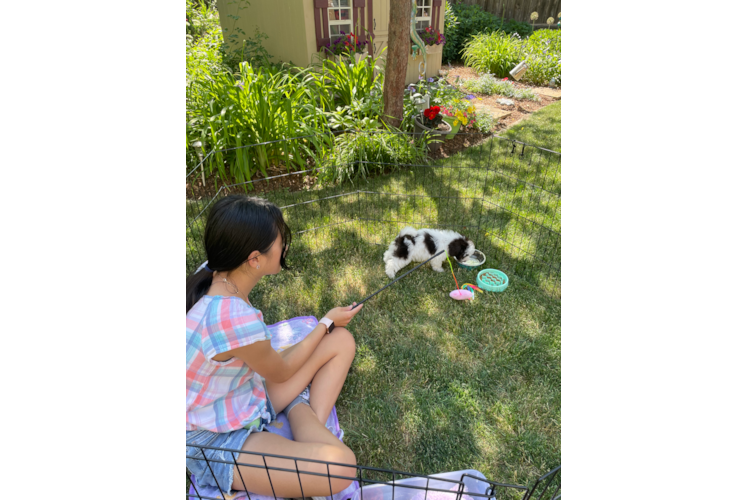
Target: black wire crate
<point>502,194</point>
<point>356,482</point>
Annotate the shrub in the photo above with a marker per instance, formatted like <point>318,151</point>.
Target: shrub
<point>542,53</point>
<point>526,94</point>
<point>461,22</point>
<point>484,122</point>
<point>362,154</point>
<point>488,84</point>
<point>495,53</point>
<point>498,53</point>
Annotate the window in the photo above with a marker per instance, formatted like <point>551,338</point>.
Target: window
<point>339,14</point>
<point>423,14</point>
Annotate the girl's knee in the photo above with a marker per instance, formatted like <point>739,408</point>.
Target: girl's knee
<point>344,341</point>
<point>341,455</point>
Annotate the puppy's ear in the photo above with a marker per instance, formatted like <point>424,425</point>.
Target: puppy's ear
<point>457,248</point>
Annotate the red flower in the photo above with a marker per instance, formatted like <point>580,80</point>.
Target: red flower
<point>432,112</point>
<point>505,78</point>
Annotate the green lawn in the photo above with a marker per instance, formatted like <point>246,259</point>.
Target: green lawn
<point>436,384</point>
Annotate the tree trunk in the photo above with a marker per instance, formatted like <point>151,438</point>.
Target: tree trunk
<point>398,49</point>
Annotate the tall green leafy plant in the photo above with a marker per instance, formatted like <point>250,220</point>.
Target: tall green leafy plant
<point>542,53</point>
<point>362,154</point>
<point>462,21</point>
<point>257,105</point>
<point>495,53</point>
<point>344,79</point>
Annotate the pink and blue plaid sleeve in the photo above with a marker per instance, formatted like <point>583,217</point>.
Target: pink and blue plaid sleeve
<point>231,324</point>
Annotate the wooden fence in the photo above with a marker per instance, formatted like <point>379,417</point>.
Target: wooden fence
<point>520,10</point>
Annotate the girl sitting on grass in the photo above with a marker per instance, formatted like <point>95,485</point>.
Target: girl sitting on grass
<point>236,382</point>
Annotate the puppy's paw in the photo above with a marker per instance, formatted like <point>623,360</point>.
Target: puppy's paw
<point>390,274</point>
<point>438,269</point>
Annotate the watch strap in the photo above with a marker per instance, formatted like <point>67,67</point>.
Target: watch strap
<point>328,323</point>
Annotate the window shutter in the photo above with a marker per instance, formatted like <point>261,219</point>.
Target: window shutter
<point>436,6</point>
<point>321,28</point>
<point>370,24</point>
<point>358,18</point>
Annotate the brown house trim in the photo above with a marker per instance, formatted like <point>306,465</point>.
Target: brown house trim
<point>436,6</point>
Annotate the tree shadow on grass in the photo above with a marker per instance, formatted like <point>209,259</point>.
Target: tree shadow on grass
<point>436,384</point>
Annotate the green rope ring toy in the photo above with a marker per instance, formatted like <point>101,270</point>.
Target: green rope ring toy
<point>492,280</point>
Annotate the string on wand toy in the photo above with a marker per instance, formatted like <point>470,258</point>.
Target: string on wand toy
<point>401,277</point>
<point>460,293</point>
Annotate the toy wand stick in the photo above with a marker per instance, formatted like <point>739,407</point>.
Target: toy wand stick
<point>398,279</point>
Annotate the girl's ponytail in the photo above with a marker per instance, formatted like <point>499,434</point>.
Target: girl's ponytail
<point>197,285</point>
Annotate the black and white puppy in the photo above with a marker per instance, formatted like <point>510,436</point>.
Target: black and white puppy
<point>417,246</point>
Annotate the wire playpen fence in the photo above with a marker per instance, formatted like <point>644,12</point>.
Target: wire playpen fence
<point>371,483</point>
<point>504,195</point>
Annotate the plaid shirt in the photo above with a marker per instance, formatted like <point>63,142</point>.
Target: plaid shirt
<point>222,396</point>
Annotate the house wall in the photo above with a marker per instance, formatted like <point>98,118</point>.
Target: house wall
<point>289,25</point>
<point>381,27</point>
<point>284,21</point>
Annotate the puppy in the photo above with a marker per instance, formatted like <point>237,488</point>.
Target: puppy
<point>417,246</point>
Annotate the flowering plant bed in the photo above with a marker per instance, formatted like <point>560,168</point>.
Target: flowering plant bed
<point>459,111</point>
<point>345,44</point>
<point>430,36</point>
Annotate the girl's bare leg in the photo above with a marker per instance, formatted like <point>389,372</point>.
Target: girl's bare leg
<point>326,369</point>
<point>318,444</point>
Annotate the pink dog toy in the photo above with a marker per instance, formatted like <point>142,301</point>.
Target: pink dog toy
<point>462,294</point>
<point>459,294</point>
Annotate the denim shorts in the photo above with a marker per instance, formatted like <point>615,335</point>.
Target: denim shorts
<point>220,463</point>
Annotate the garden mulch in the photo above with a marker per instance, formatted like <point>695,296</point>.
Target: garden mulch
<point>520,110</point>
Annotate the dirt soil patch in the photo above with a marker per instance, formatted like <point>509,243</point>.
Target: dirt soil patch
<point>521,108</point>
<point>276,180</point>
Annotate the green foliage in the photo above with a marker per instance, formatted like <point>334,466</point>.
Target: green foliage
<point>498,53</point>
<point>363,154</point>
<point>204,41</point>
<point>239,47</point>
<point>440,93</point>
<point>344,80</point>
<point>484,121</point>
<point>542,53</point>
<point>461,22</point>
<point>495,53</point>
<point>489,85</point>
<point>526,94</point>
<point>256,105</point>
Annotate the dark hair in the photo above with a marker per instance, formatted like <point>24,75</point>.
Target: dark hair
<point>237,226</point>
